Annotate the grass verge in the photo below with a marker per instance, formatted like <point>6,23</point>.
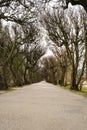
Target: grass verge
<point>83,92</point>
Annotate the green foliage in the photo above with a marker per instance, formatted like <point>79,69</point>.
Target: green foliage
<point>84,90</point>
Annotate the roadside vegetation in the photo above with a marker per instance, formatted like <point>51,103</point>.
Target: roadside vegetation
<point>82,92</point>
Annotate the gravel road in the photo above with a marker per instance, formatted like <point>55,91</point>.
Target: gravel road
<point>42,106</point>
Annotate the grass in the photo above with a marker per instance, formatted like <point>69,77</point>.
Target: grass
<point>83,92</point>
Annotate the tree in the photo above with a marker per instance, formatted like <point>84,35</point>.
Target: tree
<point>32,51</point>
<point>72,37</point>
<point>49,69</point>
<point>6,50</point>
<point>14,10</point>
<point>23,50</point>
<point>62,61</point>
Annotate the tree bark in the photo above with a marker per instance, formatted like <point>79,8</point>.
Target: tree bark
<point>4,79</point>
<point>74,85</point>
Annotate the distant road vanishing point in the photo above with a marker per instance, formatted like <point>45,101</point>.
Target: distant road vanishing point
<point>42,106</point>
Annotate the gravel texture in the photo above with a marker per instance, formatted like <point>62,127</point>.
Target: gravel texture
<point>42,106</point>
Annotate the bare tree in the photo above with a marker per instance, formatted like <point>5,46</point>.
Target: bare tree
<point>62,60</point>
<point>6,50</point>
<point>19,55</point>
<point>32,51</point>
<point>72,37</point>
<point>14,10</point>
<point>22,51</point>
<point>49,69</point>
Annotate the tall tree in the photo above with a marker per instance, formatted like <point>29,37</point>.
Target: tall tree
<point>71,36</point>
<point>24,48</point>
<point>6,50</point>
<point>62,61</point>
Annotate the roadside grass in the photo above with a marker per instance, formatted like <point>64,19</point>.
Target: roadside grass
<point>83,92</point>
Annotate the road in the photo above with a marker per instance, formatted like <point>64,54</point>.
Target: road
<point>42,106</point>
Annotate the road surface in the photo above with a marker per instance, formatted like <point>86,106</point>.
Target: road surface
<point>42,106</point>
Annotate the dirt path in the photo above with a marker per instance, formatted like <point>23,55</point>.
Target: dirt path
<point>42,106</point>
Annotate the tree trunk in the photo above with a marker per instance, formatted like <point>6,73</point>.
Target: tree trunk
<point>61,81</point>
<point>86,50</point>
<point>63,77</point>
<point>74,85</point>
<point>4,79</point>
<point>25,79</point>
